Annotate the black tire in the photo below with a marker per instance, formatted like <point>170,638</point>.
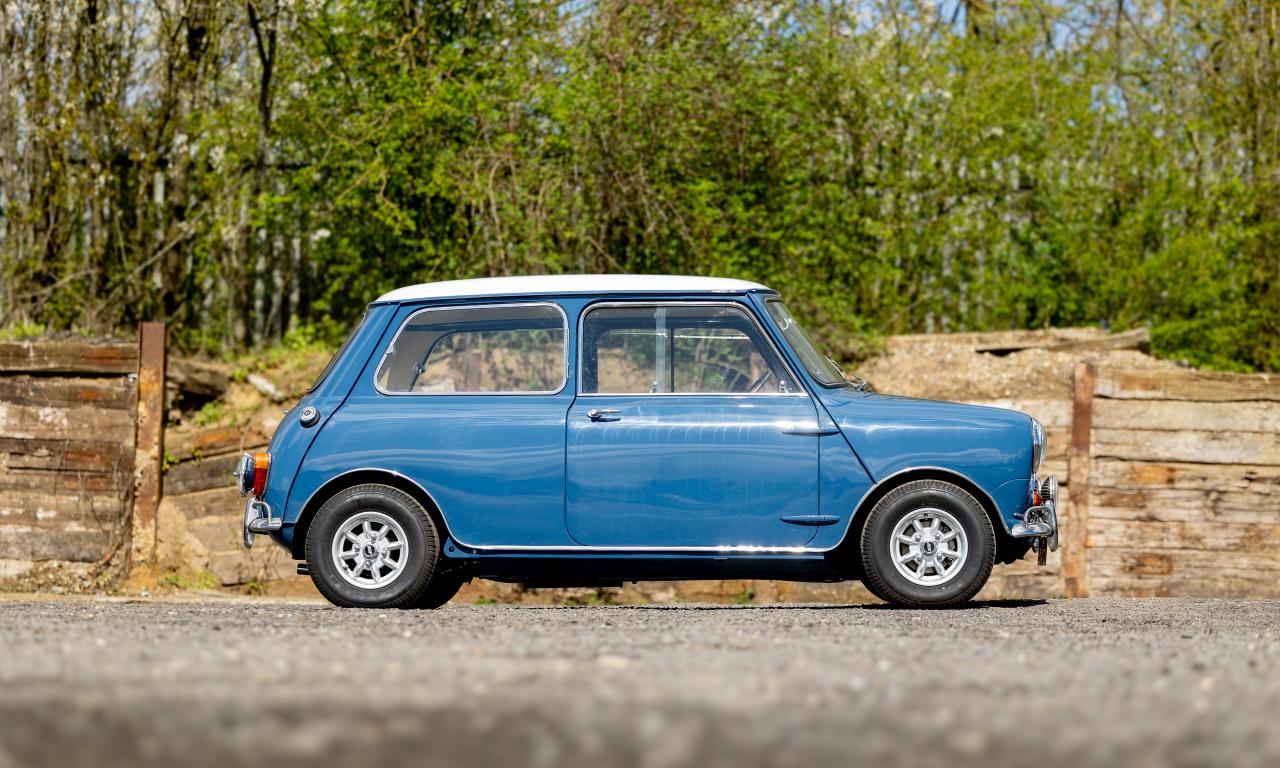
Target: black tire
<point>882,578</point>
<point>440,591</point>
<point>423,545</point>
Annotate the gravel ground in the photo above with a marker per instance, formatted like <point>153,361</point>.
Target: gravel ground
<point>1070,683</point>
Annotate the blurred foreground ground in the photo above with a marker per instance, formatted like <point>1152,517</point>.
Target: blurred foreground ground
<point>234,682</point>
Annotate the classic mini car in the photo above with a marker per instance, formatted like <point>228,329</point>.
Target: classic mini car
<point>590,430</point>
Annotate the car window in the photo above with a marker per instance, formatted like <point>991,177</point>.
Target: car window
<point>690,349</point>
<point>517,348</point>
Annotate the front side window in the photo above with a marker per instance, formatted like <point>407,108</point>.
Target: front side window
<point>692,349</point>
<point>517,348</point>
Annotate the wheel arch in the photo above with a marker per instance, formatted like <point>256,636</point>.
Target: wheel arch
<point>354,477</point>
<point>1008,549</point>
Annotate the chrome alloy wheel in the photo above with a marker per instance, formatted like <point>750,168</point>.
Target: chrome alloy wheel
<point>928,547</point>
<point>370,550</point>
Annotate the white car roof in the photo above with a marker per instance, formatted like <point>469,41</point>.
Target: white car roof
<point>561,284</point>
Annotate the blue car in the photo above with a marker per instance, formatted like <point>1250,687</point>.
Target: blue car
<point>594,429</point>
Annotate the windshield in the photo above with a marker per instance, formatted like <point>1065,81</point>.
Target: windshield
<point>819,365</point>
<point>336,355</point>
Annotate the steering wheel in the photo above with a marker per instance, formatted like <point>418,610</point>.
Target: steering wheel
<point>759,383</point>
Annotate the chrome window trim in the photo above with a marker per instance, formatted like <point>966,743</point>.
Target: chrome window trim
<point>740,306</point>
<point>842,384</point>
<point>564,365</point>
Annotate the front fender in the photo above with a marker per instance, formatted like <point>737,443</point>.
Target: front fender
<point>891,435</point>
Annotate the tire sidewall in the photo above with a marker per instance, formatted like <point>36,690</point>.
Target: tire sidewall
<point>420,537</point>
<point>877,557</point>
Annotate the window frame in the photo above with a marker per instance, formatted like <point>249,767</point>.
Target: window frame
<point>564,358</point>
<point>800,390</point>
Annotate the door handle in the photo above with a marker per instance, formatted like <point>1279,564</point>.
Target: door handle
<point>603,414</point>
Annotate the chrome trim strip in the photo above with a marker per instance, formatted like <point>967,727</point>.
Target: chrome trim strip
<point>564,372</point>
<point>743,307</point>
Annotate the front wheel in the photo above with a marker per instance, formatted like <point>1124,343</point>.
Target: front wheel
<point>372,546</point>
<point>927,544</point>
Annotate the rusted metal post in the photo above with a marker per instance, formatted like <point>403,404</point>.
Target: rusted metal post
<point>149,444</point>
<point>1075,555</point>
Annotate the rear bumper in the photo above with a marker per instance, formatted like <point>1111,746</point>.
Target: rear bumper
<point>258,520</point>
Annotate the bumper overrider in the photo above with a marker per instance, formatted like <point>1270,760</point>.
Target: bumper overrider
<point>251,478</point>
<point>1039,522</point>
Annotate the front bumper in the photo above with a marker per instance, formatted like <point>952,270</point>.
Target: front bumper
<point>1039,522</point>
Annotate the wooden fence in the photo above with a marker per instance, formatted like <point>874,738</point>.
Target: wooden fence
<point>74,454</point>
<point>1175,484</point>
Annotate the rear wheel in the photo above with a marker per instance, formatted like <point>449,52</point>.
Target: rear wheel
<point>441,590</point>
<point>372,546</point>
<point>927,544</point>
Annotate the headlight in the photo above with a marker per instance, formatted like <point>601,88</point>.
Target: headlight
<point>1037,445</point>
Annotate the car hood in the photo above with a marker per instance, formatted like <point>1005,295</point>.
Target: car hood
<point>892,433</point>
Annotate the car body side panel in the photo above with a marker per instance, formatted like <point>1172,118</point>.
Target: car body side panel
<point>291,442</point>
<point>989,446</point>
<point>493,463</point>
<point>692,470</point>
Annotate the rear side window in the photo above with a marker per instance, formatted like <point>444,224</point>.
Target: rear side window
<point>511,348</point>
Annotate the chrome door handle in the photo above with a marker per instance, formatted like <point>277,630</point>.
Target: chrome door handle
<point>603,414</point>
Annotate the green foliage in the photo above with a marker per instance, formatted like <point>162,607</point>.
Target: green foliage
<point>890,166</point>
<point>210,413</point>
<point>202,580</point>
<point>20,330</point>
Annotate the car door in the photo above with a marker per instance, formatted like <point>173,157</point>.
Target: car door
<point>688,431</point>
<point>468,402</point>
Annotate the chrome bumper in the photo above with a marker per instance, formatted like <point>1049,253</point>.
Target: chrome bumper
<point>258,520</point>
<point>1039,522</point>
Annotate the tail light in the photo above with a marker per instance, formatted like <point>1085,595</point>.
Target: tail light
<point>251,473</point>
<point>261,466</point>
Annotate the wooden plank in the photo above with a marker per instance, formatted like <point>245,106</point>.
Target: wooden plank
<point>205,442</point>
<point>1166,573</point>
<point>1149,475</point>
<point>99,510</point>
<point>1206,536</point>
<point>149,446</point>
<point>1075,557</point>
<point>116,484</point>
<point>67,357</point>
<point>1000,340</point>
<point>25,542</point>
<point>1196,446</point>
<point>59,392</point>
<point>1121,383</point>
<point>1186,562</point>
<point>1170,505</point>
<point>203,475</point>
<point>1176,415</point>
<point>32,422</point>
<point>62,455</point>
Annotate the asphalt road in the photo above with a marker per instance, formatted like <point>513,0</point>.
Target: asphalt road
<point>1083,683</point>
